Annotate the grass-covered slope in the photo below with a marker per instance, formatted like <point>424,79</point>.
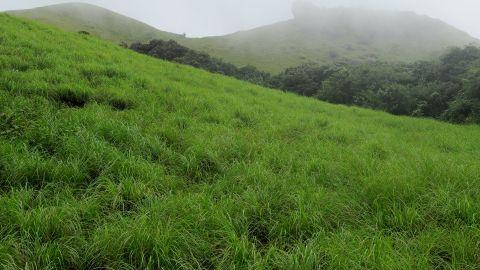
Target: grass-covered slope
<point>325,35</point>
<point>110,159</point>
<point>98,21</point>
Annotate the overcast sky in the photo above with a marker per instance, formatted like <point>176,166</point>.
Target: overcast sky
<point>217,17</point>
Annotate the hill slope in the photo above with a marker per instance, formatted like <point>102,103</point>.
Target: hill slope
<point>314,35</point>
<point>95,20</point>
<point>337,34</point>
<point>110,159</point>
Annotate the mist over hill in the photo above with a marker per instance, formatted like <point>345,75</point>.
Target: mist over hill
<point>326,35</point>
<point>96,20</point>
<point>320,35</point>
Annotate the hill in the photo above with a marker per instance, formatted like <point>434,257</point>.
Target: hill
<point>325,35</point>
<point>96,20</point>
<point>114,160</point>
<point>314,35</point>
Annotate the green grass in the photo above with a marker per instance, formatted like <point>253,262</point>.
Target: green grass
<point>97,21</point>
<point>114,160</point>
<point>315,35</point>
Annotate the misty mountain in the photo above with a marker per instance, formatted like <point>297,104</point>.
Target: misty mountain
<point>315,34</point>
<point>326,35</point>
<point>96,20</point>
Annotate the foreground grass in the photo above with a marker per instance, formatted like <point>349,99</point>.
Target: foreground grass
<point>109,159</point>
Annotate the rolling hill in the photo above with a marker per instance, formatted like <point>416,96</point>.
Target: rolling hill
<point>113,160</point>
<point>96,20</point>
<point>314,35</point>
<point>325,35</point>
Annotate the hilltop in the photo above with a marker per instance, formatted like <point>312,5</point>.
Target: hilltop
<point>96,20</point>
<point>315,34</point>
<point>326,35</point>
<point>114,160</point>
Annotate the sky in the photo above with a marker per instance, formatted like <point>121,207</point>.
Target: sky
<point>199,18</point>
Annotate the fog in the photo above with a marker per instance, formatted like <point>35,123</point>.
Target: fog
<point>217,17</point>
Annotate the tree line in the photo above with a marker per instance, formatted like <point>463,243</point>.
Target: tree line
<point>447,88</point>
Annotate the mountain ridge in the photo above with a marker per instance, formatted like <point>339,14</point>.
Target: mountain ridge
<point>99,21</point>
<point>315,34</point>
<point>325,35</point>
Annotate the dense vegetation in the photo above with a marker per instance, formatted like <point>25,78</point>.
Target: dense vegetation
<point>114,160</point>
<point>448,89</point>
<point>315,34</point>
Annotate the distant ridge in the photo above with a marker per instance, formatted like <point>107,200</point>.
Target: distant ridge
<point>326,35</point>
<point>321,35</point>
<point>96,20</point>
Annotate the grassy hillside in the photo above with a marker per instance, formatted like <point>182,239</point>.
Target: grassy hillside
<point>98,21</point>
<point>111,159</point>
<point>337,34</point>
<point>314,35</point>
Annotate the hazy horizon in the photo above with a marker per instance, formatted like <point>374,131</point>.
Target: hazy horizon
<point>220,17</point>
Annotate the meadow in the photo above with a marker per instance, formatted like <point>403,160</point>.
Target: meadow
<point>114,160</point>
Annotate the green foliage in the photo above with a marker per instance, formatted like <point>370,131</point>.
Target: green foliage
<point>303,80</point>
<point>448,89</point>
<point>114,160</point>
